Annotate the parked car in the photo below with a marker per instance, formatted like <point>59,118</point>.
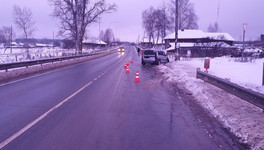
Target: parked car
<point>121,49</point>
<point>163,58</point>
<point>150,56</point>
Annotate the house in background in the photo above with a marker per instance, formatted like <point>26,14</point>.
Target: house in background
<point>198,41</point>
<point>188,38</point>
<point>93,43</point>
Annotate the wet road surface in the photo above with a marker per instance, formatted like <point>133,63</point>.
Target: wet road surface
<point>97,106</point>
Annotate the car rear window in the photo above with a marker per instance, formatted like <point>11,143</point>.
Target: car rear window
<point>161,53</point>
<point>149,52</point>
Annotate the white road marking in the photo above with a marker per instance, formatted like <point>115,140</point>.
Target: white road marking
<point>14,136</point>
<point>21,131</point>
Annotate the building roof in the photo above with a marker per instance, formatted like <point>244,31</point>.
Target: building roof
<point>90,41</point>
<point>199,34</point>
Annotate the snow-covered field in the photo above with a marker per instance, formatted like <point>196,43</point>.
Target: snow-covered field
<point>20,54</point>
<point>243,119</point>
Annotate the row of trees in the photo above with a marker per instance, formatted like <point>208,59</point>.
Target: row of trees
<point>157,22</point>
<point>74,16</point>
<point>107,36</point>
<point>23,19</point>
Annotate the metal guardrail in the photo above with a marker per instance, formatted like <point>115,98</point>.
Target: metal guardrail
<point>248,95</point>
<point>42,61</point>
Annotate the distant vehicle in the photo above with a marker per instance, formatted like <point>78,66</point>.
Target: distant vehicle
<point>150,56</point>
<point>121,49</point>
<point>163,58</point>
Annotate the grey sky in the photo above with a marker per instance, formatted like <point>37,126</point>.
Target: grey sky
<point>127,24</point>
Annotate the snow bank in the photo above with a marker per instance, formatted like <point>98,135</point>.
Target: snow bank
<point>248,75</point>
<point>243,119</point>
<point>20,54</point>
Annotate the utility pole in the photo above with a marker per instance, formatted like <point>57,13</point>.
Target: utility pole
<point>244,34</point>
<point>176,28</point>
<point>100,31</point>
<point>11,38</point>
<point>77,28</point>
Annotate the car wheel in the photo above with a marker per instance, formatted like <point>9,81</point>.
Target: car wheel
<point>158,62</point>
<point>142,62</point>
<point>168,60</point>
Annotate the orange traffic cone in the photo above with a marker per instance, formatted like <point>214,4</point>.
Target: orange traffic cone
<point>125,65</point>
<point>128,63</point>
<point>131,61</point>
<point>127,70</point>
<point>137,78</point>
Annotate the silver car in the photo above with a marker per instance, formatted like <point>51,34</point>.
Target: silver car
<point>150,56</point>
<point>163,58</point>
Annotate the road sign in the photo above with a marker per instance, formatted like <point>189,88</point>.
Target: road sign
<point>206,64</point>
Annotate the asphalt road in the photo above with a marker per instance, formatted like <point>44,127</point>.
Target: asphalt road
<point>97,106</point>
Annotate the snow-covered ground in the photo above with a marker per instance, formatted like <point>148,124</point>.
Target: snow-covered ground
<point>243,119</point>
<point>246,74</point>
<point>20,54</point>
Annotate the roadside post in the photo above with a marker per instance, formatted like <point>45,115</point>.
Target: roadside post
<point>206,64</point>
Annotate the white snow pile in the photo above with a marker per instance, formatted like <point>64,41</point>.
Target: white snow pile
<point>243,119</point>
<point>246,74</point>
<point>20,54</point>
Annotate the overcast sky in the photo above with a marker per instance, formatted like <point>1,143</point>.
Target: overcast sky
<point>127,24</point>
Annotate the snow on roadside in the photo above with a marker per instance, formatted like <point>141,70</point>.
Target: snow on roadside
<point>243,119</point>
<point>248,75</point>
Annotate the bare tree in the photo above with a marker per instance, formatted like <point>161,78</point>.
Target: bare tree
<point>158,16</point>
<point>156,22</point>
<point>214,27</point>
<point>5,34</point>
<point>148,23</point>
<point>109,36</point>
<point>101,35</point>
<point>187,16</point>
<point>2,37</point>
<point>24,21</point>
<point>76,15</point>
<point>162,23</point>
